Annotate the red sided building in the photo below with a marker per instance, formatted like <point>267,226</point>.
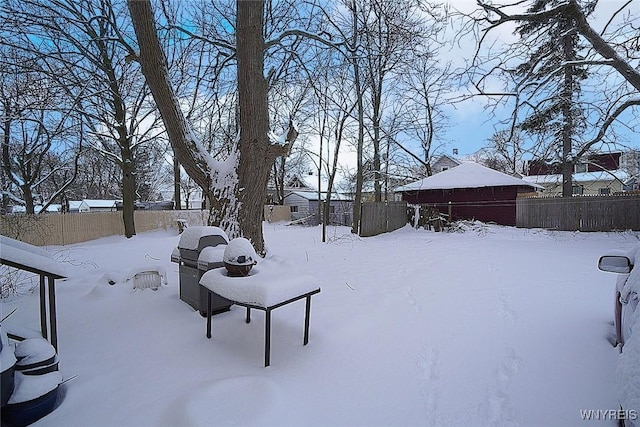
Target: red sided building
<point>470,191</point>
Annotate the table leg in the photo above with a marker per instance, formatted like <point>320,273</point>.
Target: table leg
<point>267,338</point>
<point>209,314</point>
<point>306,321</point>
<point>248,320</point>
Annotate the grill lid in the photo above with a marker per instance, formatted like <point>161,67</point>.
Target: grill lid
<point>198,237</point>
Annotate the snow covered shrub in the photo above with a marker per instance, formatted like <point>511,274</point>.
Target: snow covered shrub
<point>461,226</point>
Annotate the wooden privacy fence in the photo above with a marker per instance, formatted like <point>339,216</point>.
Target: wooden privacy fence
<point>65,229</point>
<point>583,213</point>
<point>382,217</point>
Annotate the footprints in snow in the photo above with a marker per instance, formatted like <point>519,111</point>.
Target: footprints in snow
<point>505,310</point>
<point>496,409</point>
<point>429,366</point>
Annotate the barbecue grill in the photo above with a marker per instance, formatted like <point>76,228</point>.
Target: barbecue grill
<point>199,250</point>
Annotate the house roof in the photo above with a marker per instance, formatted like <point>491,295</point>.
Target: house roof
<point>467,175</point>
<point>607,176</point>
<point>444,157</point>
<point>93,203</point>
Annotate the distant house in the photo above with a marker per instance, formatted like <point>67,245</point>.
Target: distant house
<point>76,206</point>
<point>295,182</point>
<point>92,205</point>
<point>599,174</point>
<point>444,163</point>
<point>304,204</point>
<point>471,191</point>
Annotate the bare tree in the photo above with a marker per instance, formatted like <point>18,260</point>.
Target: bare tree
<point>425,86</point>
<point>508,149</point>
<point>336,106</point>
<point>391,30</point>
<point>37,127</point>
<point>85,49</point>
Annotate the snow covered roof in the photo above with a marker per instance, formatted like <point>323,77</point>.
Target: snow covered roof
<point>29,257</point>
<point>580,177</point>
<point>74,204</point>
<point>94,203</point>
<point>309,182</point>
<point>467,175</point>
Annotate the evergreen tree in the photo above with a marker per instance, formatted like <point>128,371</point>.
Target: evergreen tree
<point>552,77</point>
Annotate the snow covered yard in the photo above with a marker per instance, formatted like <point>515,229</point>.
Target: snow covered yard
<point>495,327</point>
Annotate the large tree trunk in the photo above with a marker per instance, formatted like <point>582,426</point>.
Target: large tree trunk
<point>128,198</point>
<point>567,127</point>
<point>355,227</point>
<point>256,156</point>
<point>218,180</point>
<point>29,205</point>
<point>177,195</point>
<point>190,153</point>
<point>236,189</point>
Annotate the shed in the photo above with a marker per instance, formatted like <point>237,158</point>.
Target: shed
<point>33,259</point>
<point>471,191</point>
<point>305,204</point>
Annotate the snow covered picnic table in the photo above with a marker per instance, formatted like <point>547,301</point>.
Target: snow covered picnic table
<point>269,285</point>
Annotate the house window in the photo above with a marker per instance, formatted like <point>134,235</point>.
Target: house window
<point>294,208</point>
<point>605,191</point>
<point>578,189</point>
<point>444,168</point>
<point>580,167</point>
<point>332,209</point>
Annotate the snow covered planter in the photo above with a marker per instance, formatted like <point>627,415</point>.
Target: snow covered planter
<point>37,380</point>
<point>239,257</point>
<point>7,363</point>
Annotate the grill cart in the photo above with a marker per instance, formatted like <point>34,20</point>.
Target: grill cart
<point>199,250</point>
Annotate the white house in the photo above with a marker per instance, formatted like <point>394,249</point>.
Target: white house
<point>92,205</point>
<point>584,183</point>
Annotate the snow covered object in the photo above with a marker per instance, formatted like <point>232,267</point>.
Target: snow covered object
<point>628,370</point>
<point>626,320</point>
<point>7,363</point>
<point>37,380</point>
<point>239,257</point>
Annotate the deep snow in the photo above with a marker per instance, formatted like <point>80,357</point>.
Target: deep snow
<point>495,326</point>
